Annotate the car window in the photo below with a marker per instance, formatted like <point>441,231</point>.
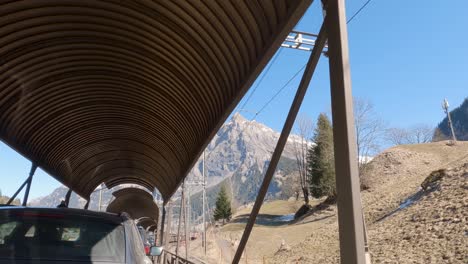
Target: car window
<point>6,229</point>
<point>70,233</point>
<point>59,237</point>
<point>31,232</point>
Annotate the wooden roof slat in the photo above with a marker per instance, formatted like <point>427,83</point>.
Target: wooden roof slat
<point>129,91</point>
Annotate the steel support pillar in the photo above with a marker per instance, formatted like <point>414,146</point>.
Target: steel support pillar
<point>181,212</point>
<point>67,197</point>
<point>26,183</point>
<point>28,187</point>
<point>167,235</point>
<point>17,191</point>
<point>203,205</point>
<point>161,232</point>
<point>306,77</point>
<point>187,223</point>
<point>351,231</point>
<point>87,204</point>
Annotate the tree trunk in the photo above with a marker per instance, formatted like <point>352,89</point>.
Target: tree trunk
<point>305,191</point>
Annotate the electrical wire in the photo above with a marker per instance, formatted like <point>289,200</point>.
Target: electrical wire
<point>359,11</point>
<point>287,83</point>
<point>274,96</point>
<point>255,88</point>
<point>280,90</point>
<point>264,106</point>
<point>261,78</point>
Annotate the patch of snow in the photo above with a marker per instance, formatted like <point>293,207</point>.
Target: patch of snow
<point>285,218</point>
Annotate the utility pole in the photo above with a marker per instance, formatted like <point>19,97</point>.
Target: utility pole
<point>187,223</point>
<point>445,106</point>
<point>168,233</point>
<point>181,211</point>
<point>100,197</point>
<point>203,202</point>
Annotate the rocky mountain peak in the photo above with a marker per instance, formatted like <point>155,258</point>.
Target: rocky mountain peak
<point>238,118</point>
<point>239,153</point>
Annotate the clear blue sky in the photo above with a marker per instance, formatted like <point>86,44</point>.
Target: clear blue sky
<point>406,56</point>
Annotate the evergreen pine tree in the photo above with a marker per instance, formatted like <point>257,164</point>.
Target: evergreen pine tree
<point>223,206</point>
<point>322,161</point>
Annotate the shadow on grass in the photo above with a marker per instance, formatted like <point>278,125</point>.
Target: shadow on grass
<point>409,202</point>
<point>265,219</point>
<point>314,220</point>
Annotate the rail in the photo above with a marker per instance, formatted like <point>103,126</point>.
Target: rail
<point>171,258</point>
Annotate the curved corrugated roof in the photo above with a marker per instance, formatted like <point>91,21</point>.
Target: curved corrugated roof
<point>136,202</point>
<point>129,91</point>
<point>146,222</point>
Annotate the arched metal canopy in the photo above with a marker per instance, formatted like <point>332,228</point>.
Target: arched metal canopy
<point>137,203</point>
<point>146,222</point>
<point>152,228</point>
<point>129,91</point>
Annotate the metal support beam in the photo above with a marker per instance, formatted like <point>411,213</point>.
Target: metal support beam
<point>161,232</point>
<point>306,77</point>
<point>100,197</point>
<point>181,212</point>
<point>203,205</point>
<point>28,187</point>
<point>347,178</point>
<point>26,182</point>
<point>67,197</point>
<point>167,235</point>
<point>187,223</point>
<point>87,204</point>
<point>17,191</point>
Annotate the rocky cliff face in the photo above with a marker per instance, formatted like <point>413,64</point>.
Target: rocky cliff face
<point>239,147</point>
<point>239,155</point>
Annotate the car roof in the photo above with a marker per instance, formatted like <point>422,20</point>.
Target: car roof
<point>111,217</point>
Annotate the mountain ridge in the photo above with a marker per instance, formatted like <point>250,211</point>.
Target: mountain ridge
<point>239,153</point>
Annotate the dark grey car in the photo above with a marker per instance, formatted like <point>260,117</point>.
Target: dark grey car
<point>57,235</point>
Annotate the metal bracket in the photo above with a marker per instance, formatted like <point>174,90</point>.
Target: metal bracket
<point>301,41</point>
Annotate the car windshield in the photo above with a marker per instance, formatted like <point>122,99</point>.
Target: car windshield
<point>50,236</point>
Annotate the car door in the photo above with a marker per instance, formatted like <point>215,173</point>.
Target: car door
<point>137,250</point>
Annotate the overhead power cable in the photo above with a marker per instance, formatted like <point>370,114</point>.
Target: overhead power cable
<point>261,78</point>
<point>287,83</point>
<point>280,90</point>
<point>264,106</point>
<point>359,11</point>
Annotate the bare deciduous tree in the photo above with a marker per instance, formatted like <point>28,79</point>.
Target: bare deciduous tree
<point>304,128</point>
<point>421,133</point>
<point>369,130</point>
<point>397,136</point>
<point>416,134</point>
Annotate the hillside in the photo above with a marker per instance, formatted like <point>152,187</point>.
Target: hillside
<point>432,230</point>
<point>459,118</point>
<point>405,224</point>
<point>397,173</point>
